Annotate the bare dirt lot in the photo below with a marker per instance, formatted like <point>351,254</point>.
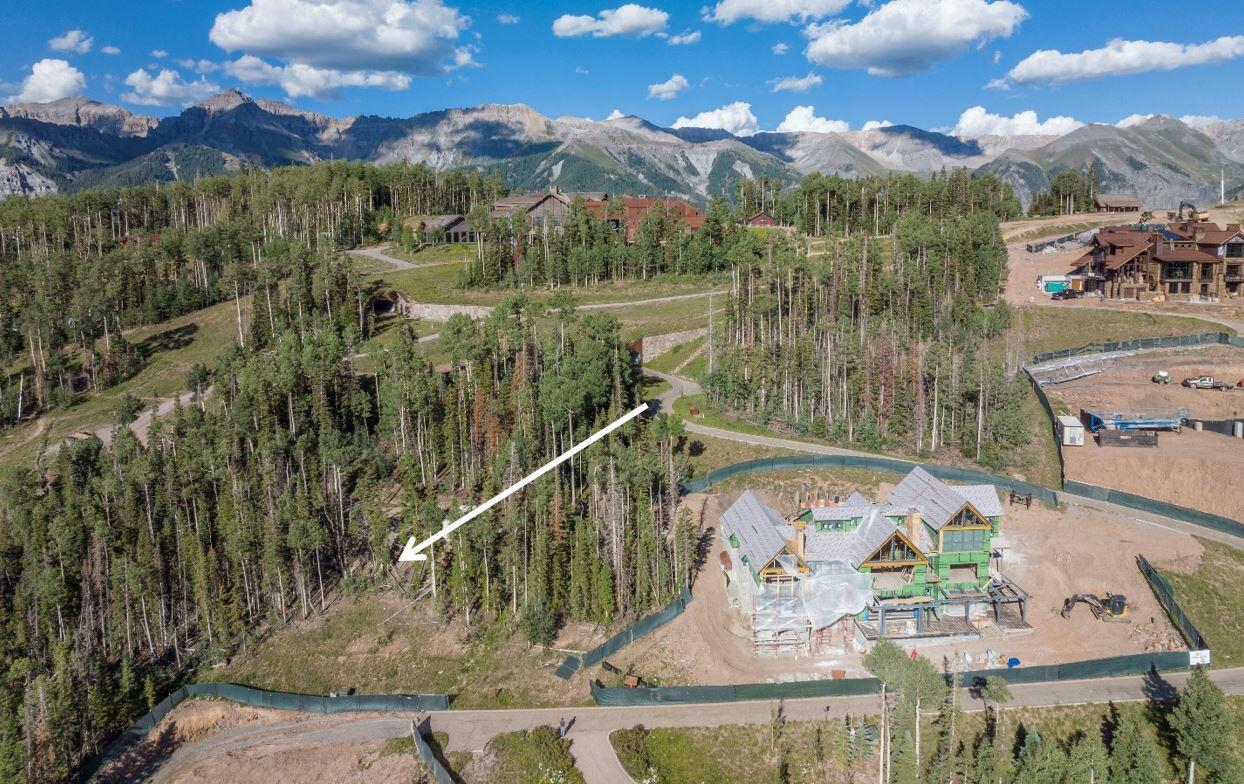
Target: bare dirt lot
<point>214,746</point>
<point>1189,468</point>
<point>1051,553</point>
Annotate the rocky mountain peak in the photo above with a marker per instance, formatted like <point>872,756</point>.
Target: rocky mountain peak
<point>84,113</point>
<point>225,100</point>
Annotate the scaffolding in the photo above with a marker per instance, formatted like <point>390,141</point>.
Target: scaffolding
<point>957,614</point>
<point>807,613</point>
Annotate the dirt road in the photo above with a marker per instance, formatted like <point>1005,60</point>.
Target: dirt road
<point>142,423</point>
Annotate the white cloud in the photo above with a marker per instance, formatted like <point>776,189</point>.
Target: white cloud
<point>803,118</point>
<point>158,53</point>
<point>1121,57</point>
<point>780,49</point>
<point>873,125</point>
<point>616,114</point>
<point>166,88</point>
<point>507,19</point>
<point>199,66</point>
<point>464,57</point>
<point>669,88</point>
<point>74,41</point>
<point>631,19</point>
<point>1199,120</point>
<point>728,11</point>
<point>405,36</point>
<point>906,36</point>
<point>797,84</point>
<point>683,39</point>
<point>50,80</point>
<point>581,71</point>
<point>110,50</point>
<point>997,84</point>
<point>1194,120</point>
<point>977,121</point>
<point>299,80</point>
<point>737,118</point>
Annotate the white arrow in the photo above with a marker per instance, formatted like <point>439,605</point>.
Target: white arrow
<point>414,552</point>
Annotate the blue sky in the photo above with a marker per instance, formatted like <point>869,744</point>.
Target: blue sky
<point>919,62</point>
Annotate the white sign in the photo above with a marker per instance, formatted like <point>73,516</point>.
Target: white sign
<point>1198,658</point>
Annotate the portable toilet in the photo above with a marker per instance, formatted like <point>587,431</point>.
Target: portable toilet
<point>1070,431</point>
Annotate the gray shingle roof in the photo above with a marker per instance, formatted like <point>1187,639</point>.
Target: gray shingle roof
<point>756,526</point>
<point>845,512</point>
<point>936,502</point>
<point>441,221</point>
<point>983,498</point>
<point>853,546</point>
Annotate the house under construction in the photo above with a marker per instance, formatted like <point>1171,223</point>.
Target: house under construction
<point>916,566</point>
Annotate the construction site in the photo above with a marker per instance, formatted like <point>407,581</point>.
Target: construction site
<point>1148,432</point>
<point>818,624</point>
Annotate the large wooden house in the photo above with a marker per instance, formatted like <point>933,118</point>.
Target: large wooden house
<point>549,211</point>
<point>1183,261</point>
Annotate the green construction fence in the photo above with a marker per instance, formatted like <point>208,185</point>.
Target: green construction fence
<point>261,698</point>
<point>1114,666</point>
<point>440,772</point>
<point>641,628</point>
<point>871,463</point>
<point>1164,341</point>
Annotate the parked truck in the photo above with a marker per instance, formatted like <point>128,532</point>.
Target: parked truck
<point>1207,382</point>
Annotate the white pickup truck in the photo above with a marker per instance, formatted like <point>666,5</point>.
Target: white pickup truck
<point>1207,382</point>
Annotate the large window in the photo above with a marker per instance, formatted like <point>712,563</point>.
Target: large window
<point>963,541</point>
<point>1235,250</point>
<point>1181,270</point>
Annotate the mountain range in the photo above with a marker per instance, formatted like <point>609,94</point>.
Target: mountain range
<point>77,143</point>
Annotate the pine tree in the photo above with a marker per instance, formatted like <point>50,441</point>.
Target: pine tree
<point>1087,761</point>
<point>1134,754</point>
<point>1039,761</point>
<point>1204,730</point>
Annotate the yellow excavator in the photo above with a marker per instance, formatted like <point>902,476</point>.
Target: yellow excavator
<point>1193,213</point>
<point>1112,609</point>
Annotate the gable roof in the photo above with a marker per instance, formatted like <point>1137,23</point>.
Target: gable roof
<point>441,221</point>
<point>855,546</point>
<point>848,511</point>
<point>983,498</point>
<point>756,526</point>
<point>937,502</point>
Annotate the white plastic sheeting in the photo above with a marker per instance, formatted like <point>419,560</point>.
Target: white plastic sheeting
<point>813,601</point>
<point>832,590</point>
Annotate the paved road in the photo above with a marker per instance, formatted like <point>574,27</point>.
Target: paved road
<point>377,254</point>
<point>470,730</point>
<point>1186,311</point>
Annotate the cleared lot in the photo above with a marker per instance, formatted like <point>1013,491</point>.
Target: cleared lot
<point>1199,470</point>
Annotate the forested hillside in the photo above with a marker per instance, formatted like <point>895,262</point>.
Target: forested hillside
<point>878,340</point>
<point>79,270</point>
<point>124,568</point>
<point>293,473</point>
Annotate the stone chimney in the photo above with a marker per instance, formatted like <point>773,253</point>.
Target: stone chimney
<point>913,526</point>
<point>801,541</point>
